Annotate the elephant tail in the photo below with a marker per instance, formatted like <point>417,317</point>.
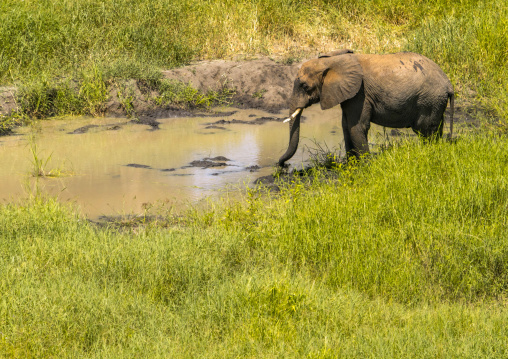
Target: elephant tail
<point>451,95</point>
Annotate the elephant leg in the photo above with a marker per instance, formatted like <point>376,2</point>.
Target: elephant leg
<point>348,142</point>
<point>359,138</point>
<point>429,126</point>
<point>356,125</point>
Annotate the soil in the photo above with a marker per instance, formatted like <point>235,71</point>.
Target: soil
<point>207,162</point>
<point>83,129</point>
<point>7,100</point>
<point>257,121</point>
<point>259,84</point>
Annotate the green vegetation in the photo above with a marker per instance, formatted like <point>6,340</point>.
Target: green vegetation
<point>44,98</point>
<point>175,92</point>
<point>7,123</point>
<point>40,163</point>
<point>404,254</point>
<point>413,263</point>
<point>259,94</point>
<point>65,53</point>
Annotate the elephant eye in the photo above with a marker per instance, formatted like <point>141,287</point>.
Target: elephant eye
<point>305,87</point>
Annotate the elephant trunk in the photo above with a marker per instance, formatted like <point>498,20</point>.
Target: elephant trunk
<point>294,135</point>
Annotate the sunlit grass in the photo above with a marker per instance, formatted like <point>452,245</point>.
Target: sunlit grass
<point>84,40</point>
<point>41,162</point>
<point>403,254</point>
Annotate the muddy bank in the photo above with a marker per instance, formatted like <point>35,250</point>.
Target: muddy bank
<point>7,99</point>
<point>260,84</point>
<point>257,84</point>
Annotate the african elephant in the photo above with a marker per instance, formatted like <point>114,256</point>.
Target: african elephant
<point>399,90</point>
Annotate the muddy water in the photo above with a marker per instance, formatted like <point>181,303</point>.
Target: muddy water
<point>116,167</point>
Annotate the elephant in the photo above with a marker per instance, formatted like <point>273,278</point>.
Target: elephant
<point>398,90</point>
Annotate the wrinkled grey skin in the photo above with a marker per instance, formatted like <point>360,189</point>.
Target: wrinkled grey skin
<point>399,90</point>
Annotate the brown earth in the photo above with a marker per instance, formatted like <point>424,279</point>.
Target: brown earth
<point>261,84</point>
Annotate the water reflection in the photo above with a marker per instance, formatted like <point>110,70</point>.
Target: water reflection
<point>103,184</point>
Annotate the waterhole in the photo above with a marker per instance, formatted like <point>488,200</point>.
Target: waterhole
<point>110,167</point>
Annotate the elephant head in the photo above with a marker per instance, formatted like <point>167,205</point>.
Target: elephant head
<point>330,80</point>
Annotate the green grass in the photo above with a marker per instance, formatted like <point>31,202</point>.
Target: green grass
<point>472,49</point>
<point>402,255</point>
<point>7,123</point>
<point>47,97</point>
<point>178,93</point>
<point>44,41</point>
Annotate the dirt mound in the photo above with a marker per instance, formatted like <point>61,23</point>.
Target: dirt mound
<point>262,83</point>
<point>259,84</point>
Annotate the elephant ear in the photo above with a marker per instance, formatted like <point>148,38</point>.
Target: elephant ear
<point>341,80</point>
<point>336,53</point>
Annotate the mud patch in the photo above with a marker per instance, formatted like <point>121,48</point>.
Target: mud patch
<point>257,121</point>
<point>87,128</point>
<point>219,161</point>
<point>468,115</point>
<point>218,158</point>
<point>207,164</point>
<point>136,165</point>
<point>254,168</point>
<point>8,99</point>
<point>260,84</point>
<point>215,127</point>
<point>148,121</point>
<point>269,182</point>
<point>83,129</point>
<point>216,114</point>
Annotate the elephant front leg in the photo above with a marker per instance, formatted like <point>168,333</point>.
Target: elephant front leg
<point>348,142</point>
<point>355,137</point>
<point>359,139</point>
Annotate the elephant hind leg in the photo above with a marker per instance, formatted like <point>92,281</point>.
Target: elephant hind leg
<point>348,143</point>
<point>429,127</point>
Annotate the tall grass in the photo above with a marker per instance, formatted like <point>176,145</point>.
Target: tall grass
<point>402,255</point>
<point>405,255</point>
<point>472,48</point>
<point>41,39</point>
<point>431,222</point>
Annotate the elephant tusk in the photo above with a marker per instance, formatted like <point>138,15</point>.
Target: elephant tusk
<point>292,117</point>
